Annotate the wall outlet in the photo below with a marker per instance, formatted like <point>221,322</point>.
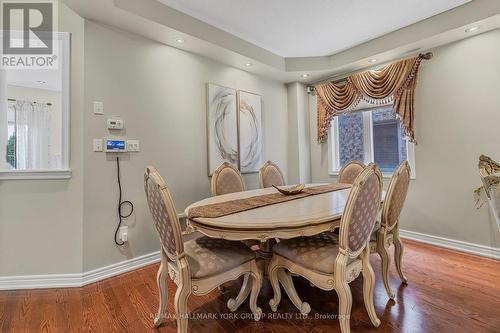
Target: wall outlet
<point>123,233</point>
<point>133,145</point>
<point>98,145</point>
<point>98,108</point>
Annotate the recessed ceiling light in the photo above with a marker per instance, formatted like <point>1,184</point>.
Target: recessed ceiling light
<point>41,82</point>
<point>180,40</point>
<point>472,29</point>
<point>373,60</point>
<point>305,75</point>
<point>248,64</point>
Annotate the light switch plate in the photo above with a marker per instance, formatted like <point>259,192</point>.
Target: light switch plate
<point>133,145</point>
<point>98,145</point>
<point>98,108</point>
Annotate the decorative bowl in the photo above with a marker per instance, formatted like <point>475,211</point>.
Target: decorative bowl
<point>290,190</point>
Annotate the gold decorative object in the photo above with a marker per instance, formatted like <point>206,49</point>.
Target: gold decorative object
<point>291,190</point>
<point>489,171</point>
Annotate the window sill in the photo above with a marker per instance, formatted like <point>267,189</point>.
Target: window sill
<point>385,175</point>
<point>35,174</point>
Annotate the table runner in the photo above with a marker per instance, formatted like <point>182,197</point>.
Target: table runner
<point>239,205</point>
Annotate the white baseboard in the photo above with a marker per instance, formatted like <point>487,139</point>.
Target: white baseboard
<point>76,280</point>
<point>119,268</point>
<point>482,250</point>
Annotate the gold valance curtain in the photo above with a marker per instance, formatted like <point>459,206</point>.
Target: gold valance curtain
<point>394,83</point>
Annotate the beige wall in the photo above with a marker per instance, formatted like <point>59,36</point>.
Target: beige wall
<point>41,220</point>
<point>299,158</point>
<point>458,112</point>
<point>160,92</point>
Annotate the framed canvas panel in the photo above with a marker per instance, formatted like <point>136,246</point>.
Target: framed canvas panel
<point>222,130</point>
<point>249,131</point>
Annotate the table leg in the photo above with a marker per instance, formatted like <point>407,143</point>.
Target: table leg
<point>285,278</point>
<point>234,303</point>
<point>265,254</point>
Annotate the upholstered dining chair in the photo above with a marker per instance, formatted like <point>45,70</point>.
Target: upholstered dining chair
<point>386,231</point>
<point>332,264</point>
<point>227,179</point>
<point>270,174</point>
<point>350,171</point>
<point>197,264</point>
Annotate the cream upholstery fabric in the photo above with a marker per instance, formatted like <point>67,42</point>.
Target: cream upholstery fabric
<point>350,171</point>
<point>271,175</point>
<point>316,253</point>
<point>211,256</point>
<point>162,221</point>
<point>227,179</point>
<point>364,213</point>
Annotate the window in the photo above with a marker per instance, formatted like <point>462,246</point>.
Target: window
<point>34,128</point>
<point>374,135</point>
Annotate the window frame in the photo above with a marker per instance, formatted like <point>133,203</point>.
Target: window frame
<point>65,171</point>
<point>333,145</point>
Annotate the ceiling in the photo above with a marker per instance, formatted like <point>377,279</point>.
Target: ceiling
<point>46,79</point>
<point>298,28</point>
<point>164,24</point>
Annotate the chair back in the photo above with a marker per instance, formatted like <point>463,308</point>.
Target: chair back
<point>350,171</point>
<point>163,212</point>
<point>270,174</point>
<point>396,195</point>
<point>227,179</point>
<point>361,211</point>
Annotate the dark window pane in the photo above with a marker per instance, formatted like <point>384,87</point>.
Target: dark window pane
<point>351,145</point>
<point>389,145</point>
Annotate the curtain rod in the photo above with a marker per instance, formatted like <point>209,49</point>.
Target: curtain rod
<point>15,100</point>
<point>343,77</point>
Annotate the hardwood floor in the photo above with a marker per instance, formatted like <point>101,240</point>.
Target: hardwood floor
<point>448,292</point>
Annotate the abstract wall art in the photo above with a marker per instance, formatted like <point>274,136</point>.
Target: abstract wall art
<point>222,126</point>
<point>249,131</point>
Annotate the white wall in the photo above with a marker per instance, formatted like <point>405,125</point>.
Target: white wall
<point>41,220</point>
<point>160,92</point>
<point>457,117</point>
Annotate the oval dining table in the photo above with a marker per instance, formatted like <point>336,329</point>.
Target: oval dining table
<point>305,216</point>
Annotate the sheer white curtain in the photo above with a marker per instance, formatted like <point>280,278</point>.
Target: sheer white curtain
<point>3,121</point>
<point>32,135</point>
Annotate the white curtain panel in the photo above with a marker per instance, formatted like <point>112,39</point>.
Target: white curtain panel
<point>33,135</point>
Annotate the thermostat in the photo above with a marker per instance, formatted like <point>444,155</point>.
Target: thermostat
<point>115,145</point>
<point>115,123</point>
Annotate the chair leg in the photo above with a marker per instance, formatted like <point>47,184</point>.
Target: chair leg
<point>273,279</point>
<point>344,293</point>
<point>285,278</point>
<point>345,304</point>
<point>256,286</point>
<point>386,261</point>
<point>181,309</point>
<point>369,286</point>
<point>233,304</point>
<point>161,279</point>
<point>398,254</point>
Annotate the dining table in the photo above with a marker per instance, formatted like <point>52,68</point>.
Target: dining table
<point>303,216</point>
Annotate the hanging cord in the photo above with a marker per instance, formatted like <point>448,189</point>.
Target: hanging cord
<point>121,204</point>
